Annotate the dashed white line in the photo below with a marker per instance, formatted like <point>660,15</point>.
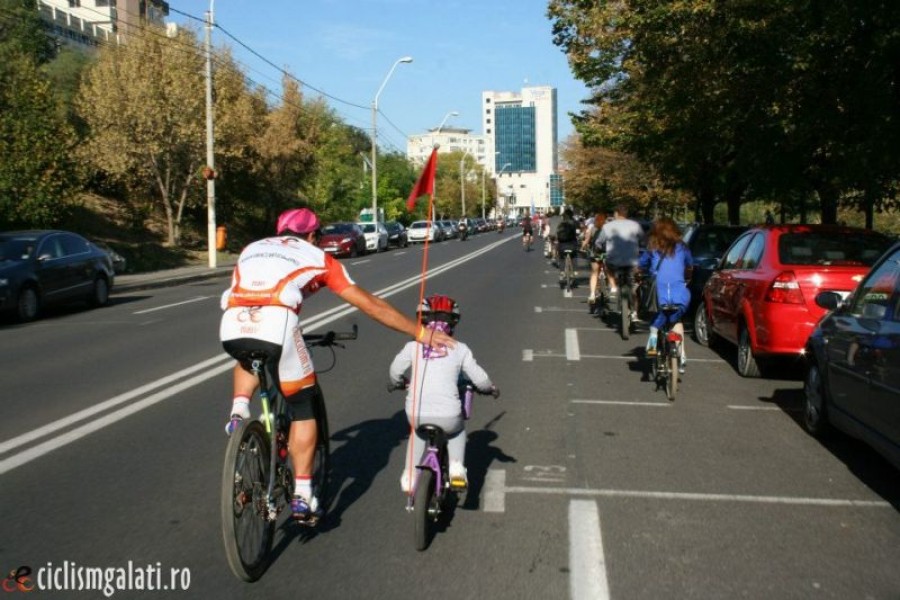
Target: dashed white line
<point>573,352</point>
<point>587,564</point>
<point>494,491</point>
<point>527,355</point>
<point>150,310</point>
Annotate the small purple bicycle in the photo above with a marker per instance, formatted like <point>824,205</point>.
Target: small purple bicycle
<point>431,489</point>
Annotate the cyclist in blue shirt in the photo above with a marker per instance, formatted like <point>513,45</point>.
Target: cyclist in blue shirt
<point>671,263</point>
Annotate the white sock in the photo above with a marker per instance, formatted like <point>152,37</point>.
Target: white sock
<point>240,406</point>
<point>303,486</point>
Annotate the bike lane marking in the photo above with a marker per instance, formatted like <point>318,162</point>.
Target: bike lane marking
<point>573,352</point>
<point>208,369</point>
<point>587,563</point>
<point>165,306</point>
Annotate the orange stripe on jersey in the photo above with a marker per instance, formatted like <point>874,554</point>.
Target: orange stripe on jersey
<point>267,297</point>
<point>289,388</point>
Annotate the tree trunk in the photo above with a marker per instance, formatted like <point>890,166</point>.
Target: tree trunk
<point>706,204</point>
<point>828,203</point>
<point>869,206</point>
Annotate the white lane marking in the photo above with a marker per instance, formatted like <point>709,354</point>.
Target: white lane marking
<point>573,352</point>
<point>544,285</point>
<point>790,500</point>
<point>527,355</point>
<point>150,310</point>
<point>567,293</point>
<point>399,253</point>
<point>587,564</point>
<point>538,309</point>
<point>605,356</point>
<point>361,262</point>
<point>623,403</point>
<point>495,491</point>
<point>17,460</point>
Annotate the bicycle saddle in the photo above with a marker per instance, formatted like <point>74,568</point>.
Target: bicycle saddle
<point>433,433</point>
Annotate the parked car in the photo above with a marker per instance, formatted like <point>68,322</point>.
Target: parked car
<point>761,295</point>
<point>419,231</point>
<point>343,239</point>
<point>396,234</point>
<point>853,354</point>
<point>44,267</point>
<point>376,237</point>
<point>707,244</point>
<point>448,228</point>
<point>118,261</point>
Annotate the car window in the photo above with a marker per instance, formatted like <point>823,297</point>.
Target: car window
<point>877,296</point>
<point>831,248</point>
<point>734,254</point>
<point>754,252</point>
<point>713,242</point>
<point>73,244</point>
<point>51,247</point>
<point>337,228</point>
<point>368,228</point>
<point>16,248</point>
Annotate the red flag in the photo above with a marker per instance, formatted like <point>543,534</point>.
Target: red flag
<point>425,184</point>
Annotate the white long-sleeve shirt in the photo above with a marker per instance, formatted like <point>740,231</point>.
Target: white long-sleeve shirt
<point>437,377</point>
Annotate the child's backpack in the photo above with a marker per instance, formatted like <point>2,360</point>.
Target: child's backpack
<point>566,232</point>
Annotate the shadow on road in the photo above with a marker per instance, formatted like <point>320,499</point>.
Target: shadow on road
<point>480,454</point>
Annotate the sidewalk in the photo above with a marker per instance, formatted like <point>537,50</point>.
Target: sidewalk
<point>130,282</point>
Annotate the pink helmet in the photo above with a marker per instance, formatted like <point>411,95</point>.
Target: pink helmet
<point>297,220</point>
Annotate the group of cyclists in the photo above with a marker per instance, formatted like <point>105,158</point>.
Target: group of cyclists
<point>274,275</point>
<point>616,246</point>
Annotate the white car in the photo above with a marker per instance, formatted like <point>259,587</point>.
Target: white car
<point>376,241</point>
<point>419,231</point>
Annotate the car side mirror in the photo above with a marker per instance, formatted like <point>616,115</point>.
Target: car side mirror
<point>828,300</point>
<point>708,264</point>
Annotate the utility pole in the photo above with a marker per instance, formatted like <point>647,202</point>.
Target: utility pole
<point>210,171</point>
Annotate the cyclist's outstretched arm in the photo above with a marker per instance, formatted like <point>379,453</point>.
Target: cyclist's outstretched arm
<point>385,313</point>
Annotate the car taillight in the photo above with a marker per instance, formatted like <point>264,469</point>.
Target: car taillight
<point>785,290</point>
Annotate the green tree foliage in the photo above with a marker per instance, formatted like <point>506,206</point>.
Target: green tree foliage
<point>733,99</point>
<point>144,104</point>
<point>37,176</point>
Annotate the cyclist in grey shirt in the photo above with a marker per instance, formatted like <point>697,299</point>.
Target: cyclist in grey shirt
<point>621,240</point>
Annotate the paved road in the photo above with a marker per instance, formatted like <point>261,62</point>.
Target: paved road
<point>585,483</point>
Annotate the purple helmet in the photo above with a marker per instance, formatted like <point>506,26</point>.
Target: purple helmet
<point>297,220</point>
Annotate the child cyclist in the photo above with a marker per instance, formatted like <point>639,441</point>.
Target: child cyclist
<point>436,399</point>
<point>670,261</point>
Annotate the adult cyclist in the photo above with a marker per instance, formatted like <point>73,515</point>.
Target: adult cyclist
<point>621,240</point>
<point>566,239</point>
<point>527,232</point>
<point>262,306</point>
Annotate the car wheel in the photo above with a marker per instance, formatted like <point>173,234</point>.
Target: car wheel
<point>353,252</point>
<point>100,292</point>
<point>746,363</point>
<point>28,305</point>
<point>815,410</point>
<point>701,326</point>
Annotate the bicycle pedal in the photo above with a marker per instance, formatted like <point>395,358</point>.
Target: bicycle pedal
<point>458,485</point>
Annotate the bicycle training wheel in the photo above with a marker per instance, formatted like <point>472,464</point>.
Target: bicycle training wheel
<point>246,529</point>
<point>422,505</point>
<point>672,380</point>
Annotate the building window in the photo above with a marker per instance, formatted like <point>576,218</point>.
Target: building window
<point>488,111</point>
<point>74,3</point>
<point>102,3</point>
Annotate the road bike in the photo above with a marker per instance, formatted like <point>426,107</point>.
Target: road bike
<point>432,491</point>
<point>664,366</point>
<point>568,280</point>
<point>257,478</point>
<point>624,301</point>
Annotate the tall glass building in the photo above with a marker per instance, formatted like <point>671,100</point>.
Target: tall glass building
<point>520,131</point>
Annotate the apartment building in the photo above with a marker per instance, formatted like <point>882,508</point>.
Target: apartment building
<point>87,24</point>
<point>450,139</point>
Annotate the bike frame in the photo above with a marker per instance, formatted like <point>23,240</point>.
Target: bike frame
<point>433,459</point>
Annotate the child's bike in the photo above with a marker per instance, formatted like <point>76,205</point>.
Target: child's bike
<point>664,366</point>
<point>257,479</point>
<point>431,490</point>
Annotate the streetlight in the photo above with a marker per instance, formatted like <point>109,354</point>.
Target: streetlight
<point>210,171</point>
<point>497,186</point>
<point>452,113</point>
<point>462,183</point>
<point>405,59</point>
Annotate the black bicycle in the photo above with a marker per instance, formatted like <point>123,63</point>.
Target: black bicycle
<point>257,479</point>
<point>625,281</point>
<point>568,280</point>
<point>664,366</point>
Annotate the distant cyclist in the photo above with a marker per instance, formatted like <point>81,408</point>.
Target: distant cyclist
<point>621,240</point>
<point>272,278</point>
<point>566,239</point>
<point>671,263</point>
<point>527,232</point>
<point>436,399</point>
<point>588,245</point>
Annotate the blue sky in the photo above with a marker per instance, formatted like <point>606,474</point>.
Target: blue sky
<point>346,48</point>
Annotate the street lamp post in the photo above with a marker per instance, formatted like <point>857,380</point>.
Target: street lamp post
<point>210,171</point>
<point>452,113</point>
<point>497,186</point>
<point>405,59</point>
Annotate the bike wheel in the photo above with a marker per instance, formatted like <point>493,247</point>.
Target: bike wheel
<point>672,379</point>
<point>422,508</point>
<point>570,274</point>
<point>246,529</point>
<point>322,460</point>
<point>625,304</point>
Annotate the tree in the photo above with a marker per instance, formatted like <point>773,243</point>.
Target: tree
<point>144,105</point>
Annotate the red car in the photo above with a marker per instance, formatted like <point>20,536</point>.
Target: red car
<point>761,297</point>
<point>343,239</point>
